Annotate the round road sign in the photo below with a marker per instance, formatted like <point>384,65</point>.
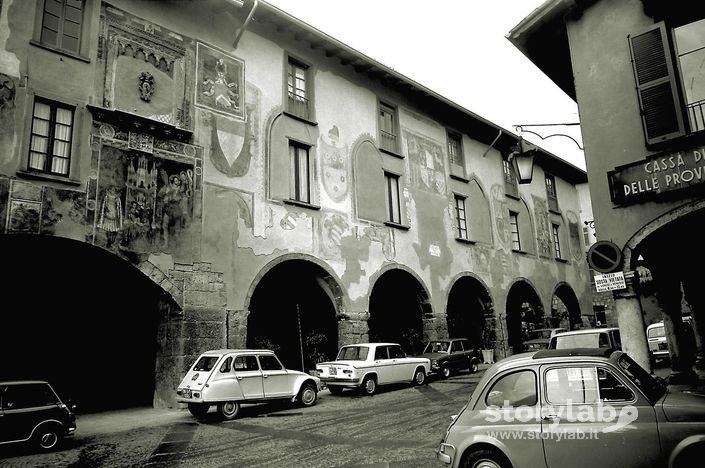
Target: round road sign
<point>605,257</point>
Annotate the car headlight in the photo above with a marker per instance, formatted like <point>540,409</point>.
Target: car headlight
<point>434,362</point>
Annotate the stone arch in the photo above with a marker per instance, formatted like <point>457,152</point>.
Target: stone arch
<point>294,306</point>
<point>470,310</point>
<point>400,308</point>
<point>523,311</point>
<point>565,308</point>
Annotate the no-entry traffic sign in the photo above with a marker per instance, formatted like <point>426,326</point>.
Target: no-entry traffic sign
<point>605,257</point>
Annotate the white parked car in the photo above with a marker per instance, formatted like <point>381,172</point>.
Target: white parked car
<point>366,365</point>
<point>228,377</point>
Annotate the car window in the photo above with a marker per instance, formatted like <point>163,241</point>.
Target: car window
<point>395,352</point>
<point>28,396</point>
<point>586,340</point>
<point>455,347</point>
<point>571,385</point>
<point>617,339</point>
<point>225,366</point>
<point>436,347</point>
<point>516,389</point>
<point>465,344</point>
<point>656,332</point>
<point>604,341</point>
<point>381,353</point>
<point>269,362</point>
<point>353,353</point>
<point>245,363</point>
<point>611,388</point>
<point>205,363</point>
<point>652,388</point>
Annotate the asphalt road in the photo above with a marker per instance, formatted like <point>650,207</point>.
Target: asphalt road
<point>398,427</point>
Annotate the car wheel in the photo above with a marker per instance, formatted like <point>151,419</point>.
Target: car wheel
<point>419,377</point>
<point>474,365</point>
<point>484,459</point>
<point>445,372</point>
<point>198,410</point>
<point>308,395</point>
<point>229,410</point>
<point>335,390</point>
<point>48,437</point>
<point>369,386</point>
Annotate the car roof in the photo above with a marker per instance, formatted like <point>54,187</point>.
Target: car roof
<point>587,331</point>
<point>573,352</point>
<point>23,382</point>
<point>228,351</point>
<point>560,355</point>
<point>374,344</point>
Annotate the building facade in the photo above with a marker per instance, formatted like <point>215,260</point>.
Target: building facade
<point>183,176</point>
<point>635,68</point>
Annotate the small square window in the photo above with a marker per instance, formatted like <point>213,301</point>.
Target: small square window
<point>50,137</point>
<point>62,22</point>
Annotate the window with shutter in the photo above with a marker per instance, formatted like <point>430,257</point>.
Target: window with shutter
<point>656,85</point>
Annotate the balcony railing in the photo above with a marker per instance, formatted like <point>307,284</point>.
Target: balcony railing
<point>299,106</point>
<point>696,115</point>
<point>388,141</point>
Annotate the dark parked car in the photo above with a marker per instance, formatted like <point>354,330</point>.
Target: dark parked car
<point>454,354</point>
<point>31,411</point>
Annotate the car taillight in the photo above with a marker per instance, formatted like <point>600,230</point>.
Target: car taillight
<point>347,371</point>
<point>197,395</point>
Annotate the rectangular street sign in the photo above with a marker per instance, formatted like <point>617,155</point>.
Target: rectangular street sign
<point>610,282</point>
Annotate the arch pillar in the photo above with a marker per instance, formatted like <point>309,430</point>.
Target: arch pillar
<point>630,319</point>
<point>352,327</point>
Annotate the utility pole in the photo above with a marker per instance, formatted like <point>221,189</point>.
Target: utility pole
<point>301,339</point>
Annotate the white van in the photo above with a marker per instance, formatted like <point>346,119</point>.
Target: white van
<point>588,338</point>
<point>228,377</point>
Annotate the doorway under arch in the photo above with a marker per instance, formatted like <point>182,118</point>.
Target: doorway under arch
<point>524,313</point>
<point>397,304</point>
<point>293,313</point>
<point>469,305</point>
<point>85,320</point>
<point>565,308</point>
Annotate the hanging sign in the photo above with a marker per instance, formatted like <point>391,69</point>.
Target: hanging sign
<point>610,282</point>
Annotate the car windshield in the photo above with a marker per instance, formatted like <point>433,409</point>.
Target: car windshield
<point>652,388</point>
<point>353,353</point>
<point>587,340</point>
<point>539,334</point>
<point>206,363</point>
<point>436,347</point>
<point>656,332</point>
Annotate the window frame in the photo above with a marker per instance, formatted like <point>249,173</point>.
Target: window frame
<point>511,184</point>
<point>457,165</point>
<point>551,192</point>
<point>84,31</point>
<point>49,156</point>
<point>461,223</point>
<point>491,385</point>
<point>295,149</point>
<point>383,135</point>
<point>303,112</point>
<point>555,235</point>
<point>388,178</point>
<point>515,231</point>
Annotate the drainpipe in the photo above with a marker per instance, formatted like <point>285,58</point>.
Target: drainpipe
<point>492,144</point>
<point>244,26</point>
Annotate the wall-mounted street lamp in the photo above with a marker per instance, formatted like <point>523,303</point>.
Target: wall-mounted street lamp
<point>522,156</point>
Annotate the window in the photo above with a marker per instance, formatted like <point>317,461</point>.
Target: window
<point>205,364</point>
<point>556,240</point>
<point>50,140</point>
<point>514,224</point>
<point>381,353</point>
<point>586,235</point>
<point>225,367</point>
<point>297,89</point>
<point>245,363</point>
<point>455,154</point>
<point>269,362</point>
<point>460,219</point>
<point>661,82</point>
<point>393,203</point>
<point>61,24</point>
<point>300,183</point>
<point>510,180</point>
<point>395,352</point>
<point>388,128</point>
<point>551,193</point>
<point>517,389</point>
<point>28,396</point>
<point>611,388</point>
<point>572,385</point>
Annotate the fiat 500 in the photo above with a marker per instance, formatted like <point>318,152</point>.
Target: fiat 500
<point>364,366</point>
<point>576,407</point>
<point>228,377</point>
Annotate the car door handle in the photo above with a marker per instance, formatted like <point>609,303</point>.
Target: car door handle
<point>549,417</point>
<point>265,376</point>
<point>239,377</point>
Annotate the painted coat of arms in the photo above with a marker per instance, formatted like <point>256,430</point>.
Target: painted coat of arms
<point>220,81</point>
<point>335,165</point>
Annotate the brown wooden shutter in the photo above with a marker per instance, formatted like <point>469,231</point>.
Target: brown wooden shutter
<point>661,111</point>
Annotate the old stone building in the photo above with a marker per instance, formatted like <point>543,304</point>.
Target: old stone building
<point>636,69</point>
<point>178,176</point>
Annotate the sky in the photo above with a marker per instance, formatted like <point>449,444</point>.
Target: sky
<point>458,49</point>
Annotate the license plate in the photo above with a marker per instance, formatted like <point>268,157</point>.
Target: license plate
<point>333,371</point>
<point>186,393</point>
<point>662,346</point>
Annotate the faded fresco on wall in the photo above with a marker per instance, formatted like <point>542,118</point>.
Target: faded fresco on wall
<point>8,89</point>
<point>543,228</point>
<point>146,203</point>
<point>63,213</point>
<point>233,144</point>
<point>333,227</point>
<point>334,157</point>
<point>25,207</point>
<point>501,214</point>
<point>426,163</point>
<point>576,246</point>
<point>481,256</point>
<point>220,81</point>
